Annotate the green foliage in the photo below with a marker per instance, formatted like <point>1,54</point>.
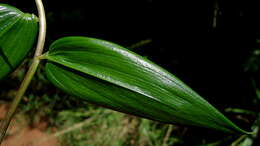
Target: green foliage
<point>112,76</point>
<point>17,35</point>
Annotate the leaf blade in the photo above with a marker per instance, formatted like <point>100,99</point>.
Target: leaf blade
<point>167,99</point>
<point>18,31</point>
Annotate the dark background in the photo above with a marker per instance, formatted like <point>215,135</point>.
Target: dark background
<point>209,60</point>
<point>215,62</point>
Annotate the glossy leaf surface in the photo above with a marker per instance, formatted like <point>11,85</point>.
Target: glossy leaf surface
<point>18,31</point>
<point>109,75</point>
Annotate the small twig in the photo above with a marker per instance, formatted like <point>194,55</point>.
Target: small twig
<point>28,77</point>
<point>70,129</point>
<point>249,139</point>
<point>168,134</point>
<point>215,15</point>
<point>140,44</point>
<point>236,142</point>
<point>62,132</point>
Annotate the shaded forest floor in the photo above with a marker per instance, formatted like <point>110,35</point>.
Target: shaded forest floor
<point>21,133</point>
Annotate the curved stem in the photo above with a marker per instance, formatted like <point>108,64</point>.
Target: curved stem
<point>28,77</point>
<point>42,29</point>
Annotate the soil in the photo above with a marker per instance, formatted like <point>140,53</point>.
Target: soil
<point>21,134</point>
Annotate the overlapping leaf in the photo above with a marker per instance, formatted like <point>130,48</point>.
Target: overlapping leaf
<point>18,31</point>
<point>106,74</point>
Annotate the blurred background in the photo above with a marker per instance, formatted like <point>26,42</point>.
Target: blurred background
<point>213,46</point>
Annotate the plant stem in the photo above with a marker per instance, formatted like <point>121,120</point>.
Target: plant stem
<point>28,77</point>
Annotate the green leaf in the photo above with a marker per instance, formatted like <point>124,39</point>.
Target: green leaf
<point>109,75</point>
<point>18,31</point>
